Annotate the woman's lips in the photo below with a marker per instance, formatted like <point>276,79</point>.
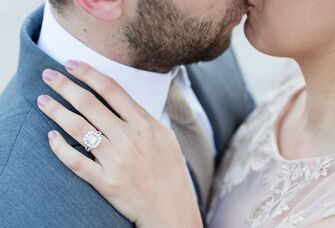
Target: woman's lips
<point>250,6</point>
<point>250,3</point>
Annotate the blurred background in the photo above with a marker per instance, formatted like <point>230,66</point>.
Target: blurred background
<point>261,71</point>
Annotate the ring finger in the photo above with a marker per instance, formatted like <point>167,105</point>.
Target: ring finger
<point>75,125</point>
<point>82,100</point>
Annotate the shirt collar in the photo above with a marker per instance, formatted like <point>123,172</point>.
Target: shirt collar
<point>148,89</point>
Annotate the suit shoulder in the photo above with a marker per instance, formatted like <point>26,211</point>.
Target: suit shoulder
<point>38,189</point>
<point>19,119</point>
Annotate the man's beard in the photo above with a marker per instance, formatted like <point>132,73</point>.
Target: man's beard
<point>161,37</point>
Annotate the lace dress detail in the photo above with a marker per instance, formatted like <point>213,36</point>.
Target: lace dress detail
<point>255,187</point>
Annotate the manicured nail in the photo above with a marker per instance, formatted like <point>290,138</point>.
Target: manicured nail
<point>50,75</point>
<point>71,65</point>
<point>52,135</point>
<point>42,100</point>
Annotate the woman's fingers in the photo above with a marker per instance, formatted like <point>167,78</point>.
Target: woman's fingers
<point>84,101</point>
<point>73,124</point>
<point>81,165</point>
<point>107,88</point>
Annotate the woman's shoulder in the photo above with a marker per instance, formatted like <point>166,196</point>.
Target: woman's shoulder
<point>283,90</point>
<point>287,84</point>
<point>268,109</point>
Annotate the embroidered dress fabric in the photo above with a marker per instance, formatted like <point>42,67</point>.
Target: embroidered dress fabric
<point>256,187</point>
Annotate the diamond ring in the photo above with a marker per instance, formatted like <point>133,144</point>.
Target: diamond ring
<point>92,140</point>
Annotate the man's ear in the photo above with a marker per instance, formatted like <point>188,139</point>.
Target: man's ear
<point>105,10</point>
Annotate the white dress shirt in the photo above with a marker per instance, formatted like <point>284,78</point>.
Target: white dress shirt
<point>148,89</point>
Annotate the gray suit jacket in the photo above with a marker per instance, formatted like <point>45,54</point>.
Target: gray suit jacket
<point>36,189</point>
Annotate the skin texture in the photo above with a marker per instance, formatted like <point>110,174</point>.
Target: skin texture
<point>125,171</point>
<point>290,28</point>
<point>154,35</point>
<point>302,30</point>
<point>163,36</point>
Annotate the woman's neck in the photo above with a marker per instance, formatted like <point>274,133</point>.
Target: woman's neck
<point>308,129</point>
<point>319,105</point>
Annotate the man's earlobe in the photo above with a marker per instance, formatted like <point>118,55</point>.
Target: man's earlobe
<point>105,10</point>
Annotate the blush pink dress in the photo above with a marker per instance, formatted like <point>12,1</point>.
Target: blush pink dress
<point>256,187</point>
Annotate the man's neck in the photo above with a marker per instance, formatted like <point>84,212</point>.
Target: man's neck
<point>107,44</point>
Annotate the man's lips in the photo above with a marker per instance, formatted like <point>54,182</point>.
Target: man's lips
<point>242,10</point>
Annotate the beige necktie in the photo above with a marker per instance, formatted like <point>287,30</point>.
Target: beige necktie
<point>194,143</point>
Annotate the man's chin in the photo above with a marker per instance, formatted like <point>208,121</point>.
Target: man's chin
<point>163,65</point>
<point>214,52</point>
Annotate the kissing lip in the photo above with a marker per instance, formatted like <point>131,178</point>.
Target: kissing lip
<point>249,3</point>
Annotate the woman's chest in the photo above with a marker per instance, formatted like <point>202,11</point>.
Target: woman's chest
<point>274,194</point>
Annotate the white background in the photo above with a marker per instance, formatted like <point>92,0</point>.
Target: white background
<point>260,71</point>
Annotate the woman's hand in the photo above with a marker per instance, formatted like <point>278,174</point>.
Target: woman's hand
<point>139,167</point>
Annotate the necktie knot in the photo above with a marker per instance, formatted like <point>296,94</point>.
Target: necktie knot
<point>177,107</point>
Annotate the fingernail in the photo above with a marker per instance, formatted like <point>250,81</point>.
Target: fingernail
<point>42,100</point>
<point>52,135</point>
<point>71,65</point>
<point>49,75</point>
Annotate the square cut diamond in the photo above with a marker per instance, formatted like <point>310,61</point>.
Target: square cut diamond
<point>92,140</point>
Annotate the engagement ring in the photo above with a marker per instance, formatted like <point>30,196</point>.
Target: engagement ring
<point>92,140</point>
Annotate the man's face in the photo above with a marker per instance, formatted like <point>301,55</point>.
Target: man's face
<point>167,33</point>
